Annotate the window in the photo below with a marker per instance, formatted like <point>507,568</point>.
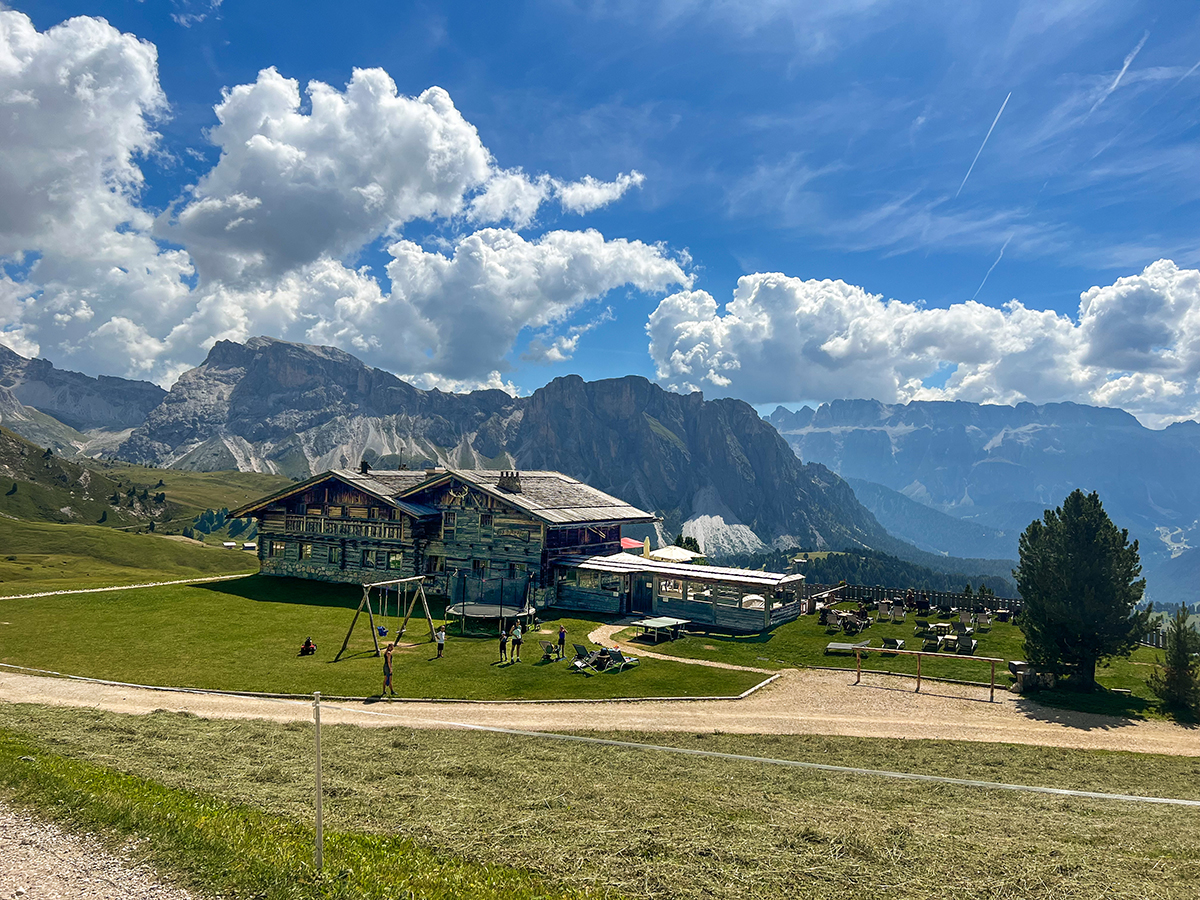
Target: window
<point>358,512</point>
<point>278,549</point>
<point>485,520</point>
<point>449,518</point>
<point>434,564</point>
<point>396,559</point>
<point>479,567</point>
<point>516,570</point>
<point>368,559</point>
<point>306,551</point>
<point>335,555</point>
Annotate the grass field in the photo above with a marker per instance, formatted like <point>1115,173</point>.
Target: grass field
<point>244,635</point>
<point>613,821</point>
<point>803,642</point>
<point>36,556</point>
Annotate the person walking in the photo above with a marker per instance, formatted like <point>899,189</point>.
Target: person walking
<point>517,639</point>
<point>503,643</point>
<point>440,637</point>
<point>562,641</point>
<point>387,671</point>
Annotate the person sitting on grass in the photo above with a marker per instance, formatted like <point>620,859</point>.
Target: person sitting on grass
<point>308,648</point>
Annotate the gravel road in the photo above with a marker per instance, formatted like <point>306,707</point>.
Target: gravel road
<point>40,861</point>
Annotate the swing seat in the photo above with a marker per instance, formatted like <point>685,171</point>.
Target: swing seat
<point>382,629</point>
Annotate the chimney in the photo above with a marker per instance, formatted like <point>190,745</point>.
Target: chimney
<point>364,468</point>
<point>509,481</point>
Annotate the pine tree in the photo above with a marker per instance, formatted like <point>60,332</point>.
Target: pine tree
<point>1078,578</point>
<point>1176,681</point>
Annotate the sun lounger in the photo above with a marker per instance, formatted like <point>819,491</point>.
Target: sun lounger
<point>619,659</point>
<point>836,646</point>
<point>548,650</point>
<point>931,644</point>
<point>921,626</point>
<point>585,658</point>
<point>893,643</point>
<point>966,645</point>
<point>961,629</point>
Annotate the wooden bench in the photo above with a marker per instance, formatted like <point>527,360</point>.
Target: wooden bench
<point>841,647</point>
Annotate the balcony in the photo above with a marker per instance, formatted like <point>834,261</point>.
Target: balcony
<point>365,528</point>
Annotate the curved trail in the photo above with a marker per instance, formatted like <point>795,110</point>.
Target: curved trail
<point>800,702</point>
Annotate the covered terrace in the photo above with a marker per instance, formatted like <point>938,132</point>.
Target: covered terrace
<point>735,600</point>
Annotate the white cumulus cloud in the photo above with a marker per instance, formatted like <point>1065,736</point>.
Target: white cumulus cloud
<point>267,240</point>
<point>1134,344</point>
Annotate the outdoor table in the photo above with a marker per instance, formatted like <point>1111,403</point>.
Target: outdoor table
<point>662,623</point>
<point>943,628</point>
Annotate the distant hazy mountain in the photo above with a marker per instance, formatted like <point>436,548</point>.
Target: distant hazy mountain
<point>1002,466</point>
<point>713,469</point>
<point>78,401</point>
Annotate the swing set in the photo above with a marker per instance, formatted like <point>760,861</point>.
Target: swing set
<point>400,588</point>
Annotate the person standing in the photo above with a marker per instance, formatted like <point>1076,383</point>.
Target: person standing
<point>440,637</point>
<point>387,671</point>
<point>517,638</point>
<point>562,641</point>
<point>503,643</point>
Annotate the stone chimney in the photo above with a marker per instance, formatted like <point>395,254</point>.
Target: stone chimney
<point>364,468</point>
<point>510,481</point>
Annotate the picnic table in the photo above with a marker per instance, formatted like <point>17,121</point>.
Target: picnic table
<point>659,624</point>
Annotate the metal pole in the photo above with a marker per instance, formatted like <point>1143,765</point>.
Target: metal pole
<point>320,848</point>
<point>858,674</point>
<point>992,699</point>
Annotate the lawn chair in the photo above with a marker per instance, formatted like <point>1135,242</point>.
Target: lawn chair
<point>965,617</point>
<point>893,643</point>
<point>619,659</point>
<point>963,630</point>
<point>922,626</point>
<point>965,645</point>
<point>898,613</point>
<point>984,621</point>
<point>931,644</point>
<point>585,658</point>
<point>548,650</point>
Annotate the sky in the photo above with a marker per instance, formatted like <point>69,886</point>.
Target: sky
<point>781,202</point>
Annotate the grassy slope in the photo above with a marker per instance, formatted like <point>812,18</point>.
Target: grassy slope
<point>244,635</point>
<point>803,642</point>
<point>44,557</point>
<point>657,825</point>
<point>194,492</point>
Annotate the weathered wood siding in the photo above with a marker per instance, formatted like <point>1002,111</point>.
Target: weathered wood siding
<point>587,599</point>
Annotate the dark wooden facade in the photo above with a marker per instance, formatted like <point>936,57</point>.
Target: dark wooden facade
<point>361,527</point>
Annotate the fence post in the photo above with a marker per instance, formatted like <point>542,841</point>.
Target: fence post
<point>320,847</point>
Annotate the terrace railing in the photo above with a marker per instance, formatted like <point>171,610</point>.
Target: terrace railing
<point>343,527</point>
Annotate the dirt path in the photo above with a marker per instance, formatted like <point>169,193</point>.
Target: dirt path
<point>806,701</point>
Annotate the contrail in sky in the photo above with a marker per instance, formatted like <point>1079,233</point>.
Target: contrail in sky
<point>1161,97</point>
<point>1116,81</point>
<point>989,271</point>
<point>985,140</point>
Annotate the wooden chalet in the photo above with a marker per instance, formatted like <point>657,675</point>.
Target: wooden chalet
<point>476,530</point>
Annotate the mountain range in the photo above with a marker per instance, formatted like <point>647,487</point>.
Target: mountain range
<point>923,481</point>
<point>965,478</point>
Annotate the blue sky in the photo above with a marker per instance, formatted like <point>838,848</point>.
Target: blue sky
<point>817,141</point>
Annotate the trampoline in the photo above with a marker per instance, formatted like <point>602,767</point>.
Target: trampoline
<point>487,611</point>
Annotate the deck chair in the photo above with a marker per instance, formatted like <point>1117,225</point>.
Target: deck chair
<point>931,644</point>
<point>585,658</point>
<point>966,645</point>
<point>619,659</point>
<point>984,620</point>
<point>893,644</point>
<point>921,626</point>
<point>548,650</point>
<point>965,617</point>
<point>963,630</point>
